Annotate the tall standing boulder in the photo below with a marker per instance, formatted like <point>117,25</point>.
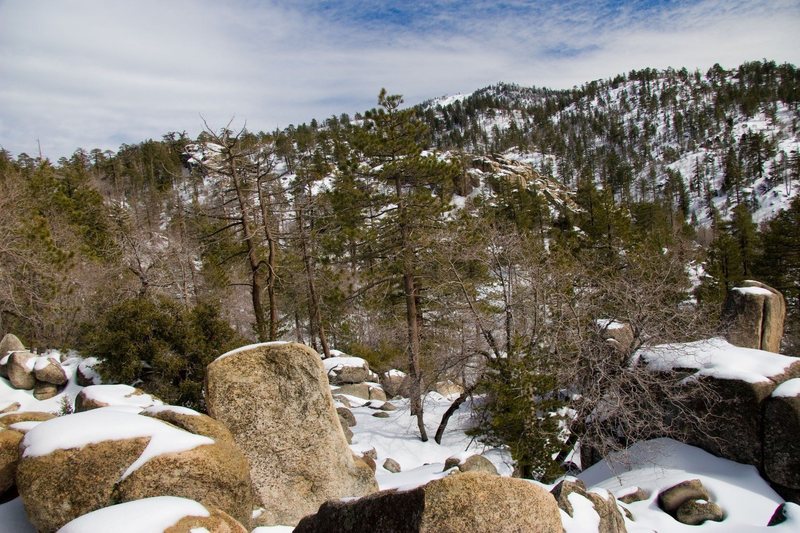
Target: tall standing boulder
<point>10,343</point>
<point>275,400</point>
<point>754,315</point>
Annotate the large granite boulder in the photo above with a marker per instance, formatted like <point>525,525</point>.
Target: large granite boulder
<point>78,463</point>
<point>782,435</point>
<point>754,315</point>
<point>276,401</point>
<point>168,514</point>
<point>475,501</point>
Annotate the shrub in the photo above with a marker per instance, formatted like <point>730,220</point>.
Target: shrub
<point>159,346</point>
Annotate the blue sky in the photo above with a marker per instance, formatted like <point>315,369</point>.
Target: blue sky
<point>96,73</point>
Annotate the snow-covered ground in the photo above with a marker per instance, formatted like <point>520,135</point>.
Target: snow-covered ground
<point>746,499</point>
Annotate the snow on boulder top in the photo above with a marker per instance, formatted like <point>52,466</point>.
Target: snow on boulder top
<point>758,291</point>
<point>718,358</point>
<point>609,323</point>
<point>333,363</point>
<point>249,347</point>
<point>119,395</point>
<point>43,362</point>
<point>394,373</point>
<point>155,409</point>
<point>148,514</point>
<point>788,389</point>
<point>108,424</point>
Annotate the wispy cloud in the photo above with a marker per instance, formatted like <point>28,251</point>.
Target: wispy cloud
<point>91,73</point>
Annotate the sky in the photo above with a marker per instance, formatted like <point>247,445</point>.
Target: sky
<point>100,73</point>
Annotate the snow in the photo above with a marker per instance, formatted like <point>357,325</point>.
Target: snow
<point>746,499</point>
<point>609,324</point>
<point>155,409</point>
<point>394,373</point>
<point>756,291</point>
<point>249,347</point>
<point>584,518</point>
<point>335,363</point>
<point>138,516</point>
<point>718,358</point>
<point>108,424</point>
<point>9,395</point>
<point>788,389</point>
<point>42,362</point>
<point>120,395</point>
<point>24,427</point>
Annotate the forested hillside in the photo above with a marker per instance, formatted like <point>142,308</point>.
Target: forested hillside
<point>439,239</point>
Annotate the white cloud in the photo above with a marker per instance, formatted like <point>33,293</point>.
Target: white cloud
<point>97,73</point>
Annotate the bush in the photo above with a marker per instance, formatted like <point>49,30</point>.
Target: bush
<point>520,411</point>
<point>159,346</point>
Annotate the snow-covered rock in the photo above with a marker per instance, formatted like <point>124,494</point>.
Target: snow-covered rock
<point>754,316</point>
<point>77,463</point>
<point>122,396</point>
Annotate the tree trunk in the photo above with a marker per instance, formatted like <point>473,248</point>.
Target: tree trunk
<point>412,323</point>
<point>272,249</point>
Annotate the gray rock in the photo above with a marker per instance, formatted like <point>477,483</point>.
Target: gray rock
<point>755,318</point>
<point>396,383</point>
<point>365,391</point>
<point>638,495</point>
<point>473,463</point>
<point>695,512</point>
<point>44,391</point>
<point>782,440</point>
<point>611,520</point>
<point>391,465</point>
<point>381,414</point>
<point>672,498</point>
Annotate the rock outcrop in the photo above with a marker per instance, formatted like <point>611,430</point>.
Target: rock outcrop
<point>276,401</point>
<point>476,502</point>
<point>473,463</point>
<point>396,383</point>
<point>79,463</point>
<point>754,315</point>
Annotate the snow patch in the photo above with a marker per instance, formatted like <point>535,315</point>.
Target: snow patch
<point>250,347</point>
<point>148,514</point>
<point>788,389</point>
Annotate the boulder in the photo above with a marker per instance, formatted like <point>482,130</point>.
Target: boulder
<point>672,498</point>
<point>20,370</point>
<point>344,370</point>
<point>695,512</point>
<point>10,408</point>
<point>448,388</point>
<point>10,343</point>
<point>473,463</point>
<point>276,401</point>
<point>391,465</point>
<point>169,514</point>
<point>95,396</point>
<point>346,415</point>
<point>44,391</point>
<point>49,370</point>
<point>782,435</point>
<point>25,416</point>
<point>474,502</point>
<point>348,434</point>
<point>365,391</point>
<point>86,375</point>
<point>754,314</point>
<point>381,414</point>
<point>637,495</point>
<point>396,383</point>
<point>605,505</point>
<point>75,464</point>
<point>9,457</point>
<point>617,334</point>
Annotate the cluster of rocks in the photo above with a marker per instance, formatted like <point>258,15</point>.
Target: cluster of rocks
<point>26,371</point>
<point>754,419</point>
